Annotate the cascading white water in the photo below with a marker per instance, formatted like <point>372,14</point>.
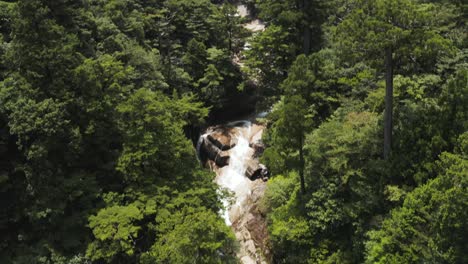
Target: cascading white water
<point>232,177</point>
<point>199,143</point>
<point>239,210</point>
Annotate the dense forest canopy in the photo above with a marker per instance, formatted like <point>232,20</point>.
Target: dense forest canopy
<point>367,131</point>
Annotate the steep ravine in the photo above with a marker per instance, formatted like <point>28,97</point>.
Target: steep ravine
<point>231,151</point>
<point>242,175</point>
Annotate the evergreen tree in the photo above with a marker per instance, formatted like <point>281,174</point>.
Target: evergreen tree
<point>397,31</point>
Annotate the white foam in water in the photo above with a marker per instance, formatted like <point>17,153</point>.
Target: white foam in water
<point>233,176</point>
<point>200,141</point>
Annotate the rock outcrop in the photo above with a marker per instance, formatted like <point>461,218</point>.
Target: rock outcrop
<point>223,142</point>
<point>258,148</point>
<point>232,151</point>
<point>256,170</point>
<point>210,151</point>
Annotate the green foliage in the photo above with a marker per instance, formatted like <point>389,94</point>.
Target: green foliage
<point>430,119</point>
<point>97,99</point>
<point>163,225</point>
<point>94,102</point>
<point>301,19</point>
<point>343,173</point>
<point>279,191</point>
<point>349,190</point>
<point>115,231</point>
<point>309,96</point>
<point>210,85</point>
<point>405,27</point>
<point>454,101</point>
<point>289,230</point>
<point>227,21</point>
<point>152,134</point>
<point>342,179</point>
<point>271,54</point>
<point>430,226</point>
<point>195,59</point>
<point>198,236</point>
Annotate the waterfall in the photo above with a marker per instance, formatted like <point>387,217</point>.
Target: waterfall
<point>232,177</point>
<point>199,143</point>
<point>240,210</point>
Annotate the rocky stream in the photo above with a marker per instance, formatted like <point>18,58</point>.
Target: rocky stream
<point>232,151</point>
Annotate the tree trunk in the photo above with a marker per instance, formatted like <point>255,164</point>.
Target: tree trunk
<point>307,32</point>
<point>230,39</point>
<point>307,40</point>
<point>301,165</point>
<point>388,122</point>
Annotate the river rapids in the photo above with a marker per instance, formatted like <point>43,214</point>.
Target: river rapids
<point>241,210</point>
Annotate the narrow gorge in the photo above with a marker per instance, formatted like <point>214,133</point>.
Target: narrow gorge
<point>232,152</point>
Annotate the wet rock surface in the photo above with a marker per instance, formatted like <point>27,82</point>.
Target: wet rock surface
<point>232,151</point>
<point>221,138</point>
<point>209,151</point>
<point>241,173</point>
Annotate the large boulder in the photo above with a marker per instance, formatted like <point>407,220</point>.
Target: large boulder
<point>212,152</point>
<point>255,170</point>
<point>221,137</point>
<point>258,148</point>
<point>222,159</point>
<point>221,141</point>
